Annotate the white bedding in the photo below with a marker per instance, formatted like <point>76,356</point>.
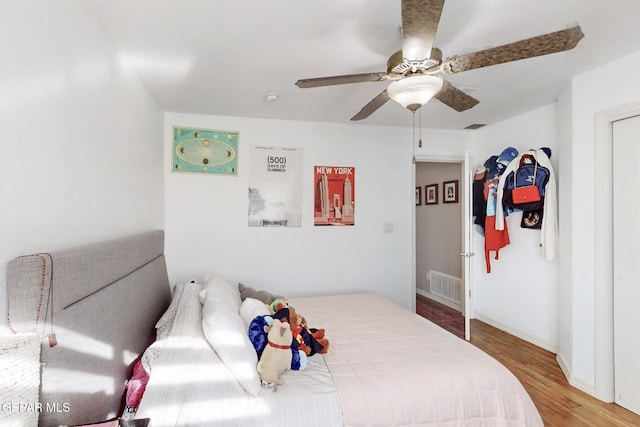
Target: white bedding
<point>385,367</point>
<point>190,386</point>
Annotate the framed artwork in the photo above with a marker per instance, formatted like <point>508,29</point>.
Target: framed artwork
<point>334,195</point>
<point>431,194</point>
<point>418,196</point>
<point>450,191</point>
<point>275,186</point>
<point>204,151</point>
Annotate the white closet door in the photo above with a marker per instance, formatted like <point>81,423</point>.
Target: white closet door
<point>626,258</point>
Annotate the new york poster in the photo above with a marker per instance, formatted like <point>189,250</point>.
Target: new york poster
<point>334,195</point>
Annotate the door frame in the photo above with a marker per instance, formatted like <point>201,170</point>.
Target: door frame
<point>466,209</point>
<point>604,335</point>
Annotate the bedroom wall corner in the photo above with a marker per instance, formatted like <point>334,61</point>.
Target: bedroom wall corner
<point>565,182</point>
<point>81,137</point>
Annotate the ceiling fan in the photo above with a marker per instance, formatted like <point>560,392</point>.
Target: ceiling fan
<point>413,70</point>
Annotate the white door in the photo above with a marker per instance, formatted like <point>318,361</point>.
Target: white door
<point>467,209</point>
<point>626,281</point>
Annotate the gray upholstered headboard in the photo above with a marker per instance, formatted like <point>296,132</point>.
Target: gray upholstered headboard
<point>105,299</point>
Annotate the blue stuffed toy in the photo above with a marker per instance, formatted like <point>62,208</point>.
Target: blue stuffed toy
<point>258,337</point>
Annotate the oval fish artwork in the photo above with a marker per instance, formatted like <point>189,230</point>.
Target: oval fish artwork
<point>205,151</point>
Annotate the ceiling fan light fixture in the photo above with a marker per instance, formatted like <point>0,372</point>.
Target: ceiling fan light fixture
<point>414,91</point>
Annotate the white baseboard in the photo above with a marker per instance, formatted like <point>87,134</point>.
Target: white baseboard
<point>547,346</point>
<point>563,366</point>
<point>580,385</point>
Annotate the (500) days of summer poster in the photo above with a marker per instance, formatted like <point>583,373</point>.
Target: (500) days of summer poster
<point>334,195</point>
<point>275,187</point>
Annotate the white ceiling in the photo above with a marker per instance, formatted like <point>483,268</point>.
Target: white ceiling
<point>222,57</point>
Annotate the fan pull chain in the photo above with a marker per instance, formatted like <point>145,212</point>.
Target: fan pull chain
<point>413,140</point>
<point>420,140</point>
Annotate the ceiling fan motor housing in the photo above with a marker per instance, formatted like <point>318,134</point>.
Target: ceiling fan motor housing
<point>400,65</point>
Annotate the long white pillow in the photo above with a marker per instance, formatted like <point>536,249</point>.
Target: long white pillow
<point>228,335</point>
<point>223,290</point>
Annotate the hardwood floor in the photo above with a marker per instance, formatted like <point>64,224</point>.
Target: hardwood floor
<point>441,315</point>
<point>559,403</point>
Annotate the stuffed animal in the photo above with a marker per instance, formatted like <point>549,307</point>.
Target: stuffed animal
<point>308,340</point>
<point>276,357</point>
<point>264,296</point>
<point>278,304</point>
<point>258,329</point>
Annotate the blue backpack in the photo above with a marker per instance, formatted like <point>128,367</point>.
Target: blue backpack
<point>528,173</point>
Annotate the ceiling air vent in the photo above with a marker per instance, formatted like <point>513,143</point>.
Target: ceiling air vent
<point>476,126</point>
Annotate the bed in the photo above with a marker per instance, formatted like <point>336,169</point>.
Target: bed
<point>385,365</point>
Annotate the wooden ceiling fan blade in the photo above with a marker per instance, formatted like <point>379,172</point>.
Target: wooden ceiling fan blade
<point>545,44</point>
<point>341,80</point>
<point>372,106</point>
<point>420,20</point>
<point>455,98</point>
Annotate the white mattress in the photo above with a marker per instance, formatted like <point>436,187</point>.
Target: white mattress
<point>385,367</point>
<point>395,368</point>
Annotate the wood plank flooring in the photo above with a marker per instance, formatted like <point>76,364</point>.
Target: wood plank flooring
<point>559,403</point>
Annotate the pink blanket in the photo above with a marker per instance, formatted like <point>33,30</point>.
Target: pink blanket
<point>395,368</point>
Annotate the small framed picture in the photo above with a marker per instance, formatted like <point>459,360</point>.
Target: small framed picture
<point>418,196</point>
<point>431,194</point>
<point>450,191</point>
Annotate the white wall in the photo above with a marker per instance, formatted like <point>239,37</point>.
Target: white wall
<point>520,293</point>
<point>206,215</point>
<point>610,86</point>
<point>81,138</point>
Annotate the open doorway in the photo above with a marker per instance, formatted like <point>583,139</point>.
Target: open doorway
<point>439,240</point>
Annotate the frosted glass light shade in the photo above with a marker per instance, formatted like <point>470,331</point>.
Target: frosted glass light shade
<point>414,91</point>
